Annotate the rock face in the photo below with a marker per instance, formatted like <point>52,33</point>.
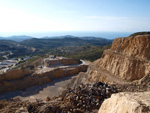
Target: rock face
<point>127,102</point>
<point>137,46</point>
<point>128,58</point>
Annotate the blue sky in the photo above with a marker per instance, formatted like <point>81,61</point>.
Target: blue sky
<point>74,15</point>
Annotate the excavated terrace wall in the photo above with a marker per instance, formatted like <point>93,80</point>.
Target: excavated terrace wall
<point>22,81</point>
<point>62,62</point>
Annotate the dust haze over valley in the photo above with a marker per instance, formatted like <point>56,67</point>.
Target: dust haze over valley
<point>62,56</point>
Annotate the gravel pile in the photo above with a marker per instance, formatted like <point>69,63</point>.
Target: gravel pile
<point>87,97</point>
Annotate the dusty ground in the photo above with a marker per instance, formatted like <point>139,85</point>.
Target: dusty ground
<point>54,88</point>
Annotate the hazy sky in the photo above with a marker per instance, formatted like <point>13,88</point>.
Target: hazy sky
<point>74,15</point>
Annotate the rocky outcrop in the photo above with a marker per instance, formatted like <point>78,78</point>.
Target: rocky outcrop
<point>140,33</point>
<point>127,102</point>
<point>63,61</point>
<point>136,46</point>
<point>128,59</point>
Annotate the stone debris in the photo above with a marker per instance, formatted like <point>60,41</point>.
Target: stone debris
<point>88,97</point>
<point>80,99</point>
<point>47,99</point>
<point>22,110</point>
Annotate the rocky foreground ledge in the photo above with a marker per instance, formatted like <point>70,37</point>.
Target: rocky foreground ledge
<point>127,102</point>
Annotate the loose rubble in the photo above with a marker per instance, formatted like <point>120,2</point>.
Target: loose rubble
<point>80,99</point>
<point>88,97</point>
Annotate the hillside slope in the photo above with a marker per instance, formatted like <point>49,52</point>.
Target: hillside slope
<point>53,43</point>
<point>14,49</point>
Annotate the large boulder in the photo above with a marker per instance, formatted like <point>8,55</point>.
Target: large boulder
<point>127,102</point>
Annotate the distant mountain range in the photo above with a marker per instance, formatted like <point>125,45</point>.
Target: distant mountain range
<point>26,45</point>
<point>70,36</point>
<point>21,38</point>
<point>17,38</point>
<point>24,37</point>
<point>50,43</point>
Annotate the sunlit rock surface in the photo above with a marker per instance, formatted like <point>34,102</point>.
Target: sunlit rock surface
<point>128,59</point>
<point>127,102</point>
